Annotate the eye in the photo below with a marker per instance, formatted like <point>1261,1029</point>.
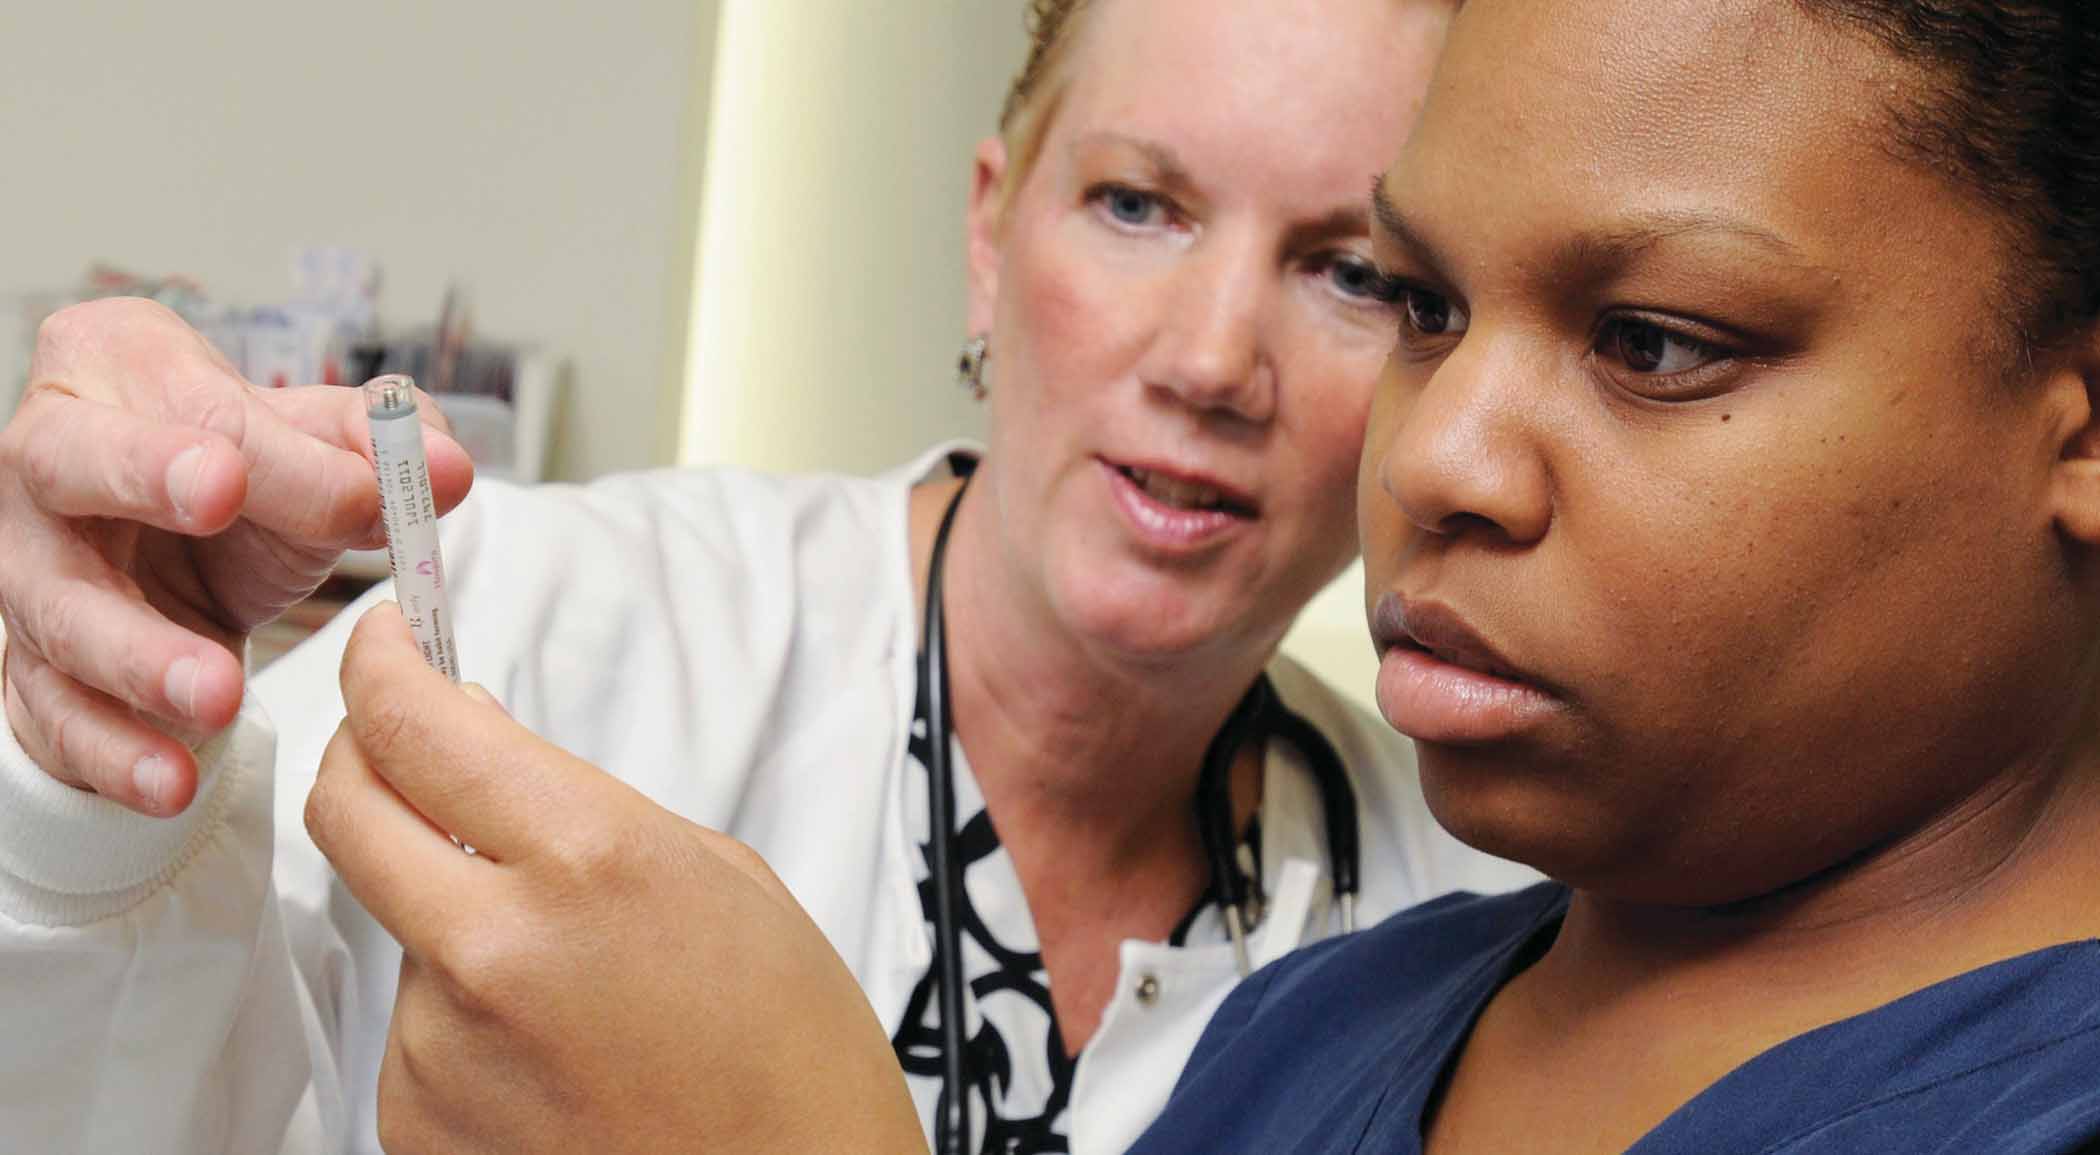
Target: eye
<point>1129,207</point>
<point>1431,314</point>
<point>1360,280</point>
<point>1652,349</point>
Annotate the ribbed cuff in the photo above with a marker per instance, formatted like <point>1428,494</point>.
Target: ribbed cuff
<point>58,843</point>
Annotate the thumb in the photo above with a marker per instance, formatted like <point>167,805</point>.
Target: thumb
<point>479,693</point>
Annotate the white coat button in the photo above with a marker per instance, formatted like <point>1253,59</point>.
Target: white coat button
<point>1148,990</point>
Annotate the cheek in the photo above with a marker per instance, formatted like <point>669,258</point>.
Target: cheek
<point>1379,525</point>
<point>1803,591</point>
<point>1331,450</point>
<point>1064,307</point>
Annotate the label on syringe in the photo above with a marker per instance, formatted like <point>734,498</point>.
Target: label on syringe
<point>410,515</point>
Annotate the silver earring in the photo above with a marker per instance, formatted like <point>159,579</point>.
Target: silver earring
<point>969,368</point>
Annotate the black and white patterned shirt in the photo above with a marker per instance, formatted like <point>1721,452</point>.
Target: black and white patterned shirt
<point>1020,1076</point>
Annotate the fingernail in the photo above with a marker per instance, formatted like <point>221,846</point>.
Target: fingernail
<point>183,475</point>
<point>180,685</point>
<point>154,778</point>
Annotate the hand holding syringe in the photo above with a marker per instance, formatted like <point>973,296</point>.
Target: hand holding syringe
<point>140,556</point>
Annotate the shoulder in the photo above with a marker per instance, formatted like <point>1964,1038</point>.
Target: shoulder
<point>1305,1051</point>
<point>1407,856</point>
<point>1362,985</point>
<point>1408,957</point>
<point>2001,1059</point>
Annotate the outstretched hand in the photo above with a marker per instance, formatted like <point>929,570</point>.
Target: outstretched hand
<point>156,508</point>
<point>600,975</point>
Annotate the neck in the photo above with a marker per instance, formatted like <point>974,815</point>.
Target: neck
<point>1074,747</point>
<point>2007,871</point>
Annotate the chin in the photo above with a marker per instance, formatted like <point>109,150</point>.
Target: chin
<point>1148,615</point>
<point>1516,806</point>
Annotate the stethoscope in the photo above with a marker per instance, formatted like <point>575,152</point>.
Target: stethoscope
<point>1260,714</point>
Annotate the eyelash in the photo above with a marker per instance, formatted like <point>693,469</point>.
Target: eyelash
<point>1377,290</point>
<point>1716,360</point>
<point>1101,196</point>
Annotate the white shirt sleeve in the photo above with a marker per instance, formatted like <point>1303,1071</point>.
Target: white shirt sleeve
<point>201,985</point>
<point>204,985</point>
<point>146,983</point>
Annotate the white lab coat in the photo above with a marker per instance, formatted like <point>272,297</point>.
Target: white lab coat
<point>738,647</point>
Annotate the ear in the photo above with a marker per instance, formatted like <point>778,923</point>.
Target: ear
<point>2073,388</point>
<point>987,218</point>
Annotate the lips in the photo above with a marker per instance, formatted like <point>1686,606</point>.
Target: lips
<point>1184,490</point>
<point>1440,681</point>
<point>1177,516</point>
<point>1439,632</point>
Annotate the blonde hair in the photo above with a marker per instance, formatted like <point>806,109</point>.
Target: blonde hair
<point>1033,97</point>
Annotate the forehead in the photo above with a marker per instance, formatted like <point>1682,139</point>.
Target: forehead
<point>1292,95</point>
<point>1574,112</point>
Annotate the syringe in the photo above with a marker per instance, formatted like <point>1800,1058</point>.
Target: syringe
<point>411,518</point>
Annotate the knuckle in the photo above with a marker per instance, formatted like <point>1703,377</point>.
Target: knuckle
<point>480,970</point>
<point>59,617</point>
<point>220,406</point>
<point>327,811</point>
<point>42,460</point>
<point>594,854</point>
<point>81,325</point>
<point>324,814</point>
<point>76,744</point>
<point>741,857</point>
<point>381,722</point>
<point>61,330</point>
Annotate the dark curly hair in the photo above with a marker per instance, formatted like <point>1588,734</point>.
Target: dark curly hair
<point>2010,111</point>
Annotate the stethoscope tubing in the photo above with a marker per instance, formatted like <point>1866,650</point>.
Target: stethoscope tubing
<point>1258,712</point>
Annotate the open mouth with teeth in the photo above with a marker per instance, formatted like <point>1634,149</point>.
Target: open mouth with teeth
<point>1178,494</point>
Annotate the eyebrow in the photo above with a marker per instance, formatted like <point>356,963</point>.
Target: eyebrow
<point>1159,156</point>
<point>1395,228</point>
<point>1610,247</point>
<point>1345,220</point>
<point>1649,229</point>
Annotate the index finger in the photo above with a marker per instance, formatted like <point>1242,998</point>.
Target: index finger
<point>463,764</point>
<point>336,414</point>
<point>139,357</point>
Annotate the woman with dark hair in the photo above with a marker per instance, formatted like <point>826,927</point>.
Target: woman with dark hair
<point>1732,514</point>
<point>1049,836</point>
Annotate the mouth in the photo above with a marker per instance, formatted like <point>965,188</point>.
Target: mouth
<point>1439,632</point>
<point>1440,681</point>
<point>1186,492</point>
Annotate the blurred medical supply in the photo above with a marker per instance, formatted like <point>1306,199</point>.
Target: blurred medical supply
<point>500,396</point>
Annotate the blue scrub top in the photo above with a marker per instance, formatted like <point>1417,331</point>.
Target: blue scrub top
<point>1338,1047</point>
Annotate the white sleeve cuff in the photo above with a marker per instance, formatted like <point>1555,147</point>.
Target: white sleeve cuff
<point>68,857</point>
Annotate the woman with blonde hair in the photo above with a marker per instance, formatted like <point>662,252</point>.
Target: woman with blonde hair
<point>1011,725</point>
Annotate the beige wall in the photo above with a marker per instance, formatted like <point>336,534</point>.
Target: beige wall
<point>540,153</point>
<point>830,301</point>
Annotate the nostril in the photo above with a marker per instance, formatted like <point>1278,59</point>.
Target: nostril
<point>1462,524</point>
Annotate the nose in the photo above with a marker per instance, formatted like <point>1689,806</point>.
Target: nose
<point>1462,452</point>
<point>1210,352</point>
